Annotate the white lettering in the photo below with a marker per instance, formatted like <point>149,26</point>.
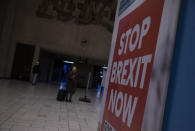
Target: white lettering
<point>128,108</point>
<point>132,67</point>
<point>114,69</point>
<point>120,51</point>
<point>112,100</point>
<point>123,80</point>
<point>137,72</point>
<point>123,105</point>
<point>144,30</point>
<point>132,45</point>
<point>118,111</point>
<point>145,60</point>
<point>119,71</point>
<point>127,39</point>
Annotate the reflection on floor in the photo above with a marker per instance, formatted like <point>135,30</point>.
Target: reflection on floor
<point>27,108</point>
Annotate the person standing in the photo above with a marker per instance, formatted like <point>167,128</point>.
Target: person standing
<point>71,83</point>
<point>103,80</point>
<point>36,73</point>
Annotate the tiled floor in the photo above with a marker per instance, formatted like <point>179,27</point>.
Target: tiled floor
<point>27,108</point>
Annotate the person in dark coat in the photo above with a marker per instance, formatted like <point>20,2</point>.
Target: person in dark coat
<point>71,84</point>
<point>36,73</point>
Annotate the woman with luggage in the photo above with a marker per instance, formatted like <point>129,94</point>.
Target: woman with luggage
<point>71,83</point>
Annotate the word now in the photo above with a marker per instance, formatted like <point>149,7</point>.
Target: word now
<point>122,104</point>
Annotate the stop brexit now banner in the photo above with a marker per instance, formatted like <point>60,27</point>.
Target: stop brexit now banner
<point>131,68</point>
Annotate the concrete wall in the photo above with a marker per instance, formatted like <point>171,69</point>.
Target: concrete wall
<point>54,35</point>
<point>180,107</point>
<point>8,16</point>
<point>3,5</point>
<point>59,36</point>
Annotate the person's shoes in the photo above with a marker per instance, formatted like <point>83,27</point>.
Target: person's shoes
<point>67,100</point>
<point>70,101</point>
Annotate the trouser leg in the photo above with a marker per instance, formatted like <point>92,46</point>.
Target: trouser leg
<point>70,97</point>
<point>66,97</point>
<point>34,79</point>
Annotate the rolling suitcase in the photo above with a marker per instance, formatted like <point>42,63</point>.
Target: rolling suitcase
<point>61,95</point>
